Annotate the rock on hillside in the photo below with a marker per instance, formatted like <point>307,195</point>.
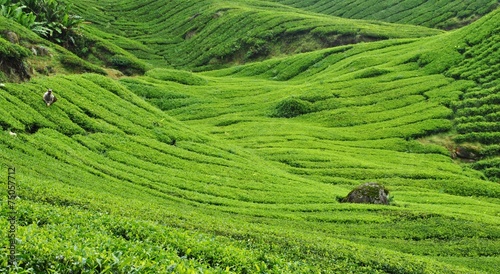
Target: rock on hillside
<point>368,193</point>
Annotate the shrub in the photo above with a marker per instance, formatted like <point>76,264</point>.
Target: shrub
<point>490,168</point>
<point>292,107</point>
<point>492,150</point>
<point>9,50</point>
<point>481,137</point>
<point>17,12</point>
<point>55,16</point>
<point>120,61</point>
<point>372,72</point>
<point>179,76</point>
<point>48,18</point>
<point>76,64</point>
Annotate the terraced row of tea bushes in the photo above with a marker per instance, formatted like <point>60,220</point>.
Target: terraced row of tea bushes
<point>207,33</point>
<point>12,60</point>
<point>182,77</point>
<point>111,192</point>
<point>361,61</point>
<point>71,239</point>
<point>477,113</point>
<point>126,191</point>
<point>204,185</point>
<point>14,51</point>
<point>441,14</point>
<point>400,105</point>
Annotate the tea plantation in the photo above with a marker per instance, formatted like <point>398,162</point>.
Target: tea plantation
<point>221,136</point>
<point>441,14</point>
<point>211,34</point>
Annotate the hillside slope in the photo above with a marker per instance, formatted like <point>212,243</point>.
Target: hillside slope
<point>106,158</point>
<point>368,108</point>
<point>467,57</point>
<point>477,113</point>
<point>241,170</point>
<point>103,150</point>
<point>434,14</point>
<point>207,34</point>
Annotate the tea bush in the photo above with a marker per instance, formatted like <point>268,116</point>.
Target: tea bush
<point>181,77</point>
<point>291,107</point>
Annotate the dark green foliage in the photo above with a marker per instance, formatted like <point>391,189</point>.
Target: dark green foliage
<point>371,72</point>
<point>127,65</point>
<point>12,51</point>
<point>492,150</point>
<point>77,65</point>
<point>181,77</point>
<point>291,107</point>
<point>486,138</point>
<point>120,61</point>
<point>55,16</point>
<point>18,12</point>
<point>490,166</point>
<point>48,18</point>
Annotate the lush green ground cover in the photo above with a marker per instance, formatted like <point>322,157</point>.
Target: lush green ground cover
<point>441,14</point>
<point>187,172</point>
<point>477,113</point>
<point>208,34</point>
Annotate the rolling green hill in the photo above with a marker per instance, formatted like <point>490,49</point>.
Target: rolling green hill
<point>434,14</point>
<point>210,34</point>
<point>242,169</point>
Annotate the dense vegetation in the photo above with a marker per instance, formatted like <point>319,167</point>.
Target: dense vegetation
<point>477,114</point>
<point>210,34</point>
<point>445,14</point>
<point>48,18</point>
<point>25,54</point>
<point>241,169</point>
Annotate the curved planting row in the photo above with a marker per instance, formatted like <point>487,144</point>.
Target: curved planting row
<point>211,34</point>
<point>435,14</point>
<point>477,113</point>
<point>124,174</point>
<point>242,170</point>
<point>352,127</point>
